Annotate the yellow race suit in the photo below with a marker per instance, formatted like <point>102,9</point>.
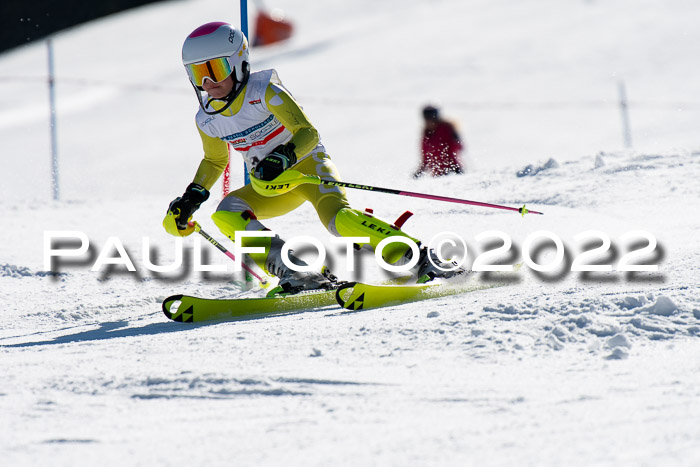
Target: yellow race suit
<point>263,116</point>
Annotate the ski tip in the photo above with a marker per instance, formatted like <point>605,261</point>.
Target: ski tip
<point>168,303</point>
<point>339,292</point>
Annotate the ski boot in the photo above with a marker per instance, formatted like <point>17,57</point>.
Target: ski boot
<point>426,270</point>
<point>291,281</point>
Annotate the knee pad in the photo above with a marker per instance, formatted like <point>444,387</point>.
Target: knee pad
<point>230,222</point>
<point>353,223</point>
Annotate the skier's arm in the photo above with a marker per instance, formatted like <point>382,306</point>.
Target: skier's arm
<point>285,108</point>
<point>182,208</point>
<point>214,162</point>
<point>304,136</point>
<point>456,141</point>
<point>455,147</point>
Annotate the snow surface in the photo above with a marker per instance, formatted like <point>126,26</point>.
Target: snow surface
<point>558,368</point>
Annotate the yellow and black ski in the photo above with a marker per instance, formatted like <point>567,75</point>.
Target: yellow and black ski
<point>361,296</point>
<point>188,309</point>
<point>350,295</point>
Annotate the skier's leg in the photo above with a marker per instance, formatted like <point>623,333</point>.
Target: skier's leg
<point>343,221</point>
<point>338,217</point>
<point>239,217</point>
<point>237,212</point>
<point>350,222</point>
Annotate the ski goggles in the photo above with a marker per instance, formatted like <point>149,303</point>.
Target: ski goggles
<point>216,69</point>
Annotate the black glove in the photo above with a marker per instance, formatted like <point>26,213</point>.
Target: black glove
<point>184,206</point>
<point>280,159</point>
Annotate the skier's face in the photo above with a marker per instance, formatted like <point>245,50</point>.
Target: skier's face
<point>220,89</point>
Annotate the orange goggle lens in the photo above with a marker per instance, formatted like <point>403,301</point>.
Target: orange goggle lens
<point>216,69</point>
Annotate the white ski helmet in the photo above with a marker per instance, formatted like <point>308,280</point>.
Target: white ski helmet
<point>216,51</point>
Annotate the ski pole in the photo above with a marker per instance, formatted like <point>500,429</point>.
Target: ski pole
<point>223,249</point>
<point>522,210</point>
<point>290,179</point>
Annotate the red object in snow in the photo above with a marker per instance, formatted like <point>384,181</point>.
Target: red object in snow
<point>270,29</point>
<point>441,148</point>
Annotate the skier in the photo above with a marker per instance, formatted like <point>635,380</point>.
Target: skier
<point>255,115</point>
<point>441,146</point>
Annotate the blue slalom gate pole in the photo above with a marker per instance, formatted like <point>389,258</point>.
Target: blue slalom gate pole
<point>244,28</point>
<point>246,178</point>
<point>244,17</point>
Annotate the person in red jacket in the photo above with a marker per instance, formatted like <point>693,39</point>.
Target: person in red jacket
<point>441,146</point>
